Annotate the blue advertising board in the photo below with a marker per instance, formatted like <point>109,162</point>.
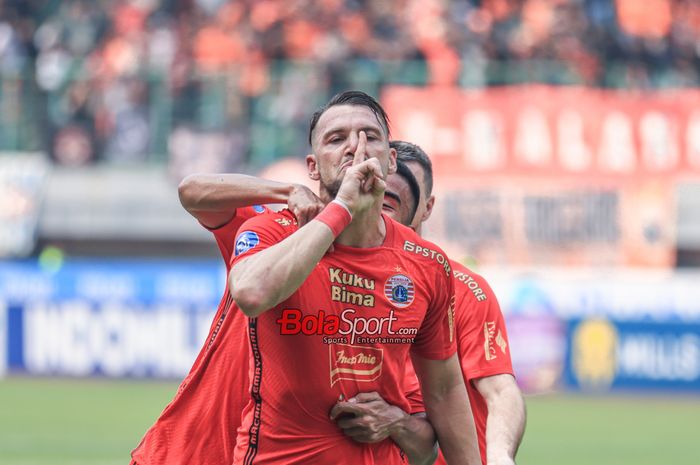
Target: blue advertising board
<point>107,318</point>
<point>148,318</point>
<point>626,355</point>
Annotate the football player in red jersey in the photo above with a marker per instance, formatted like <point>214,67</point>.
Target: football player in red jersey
<point>325,326</point>
<point>221,203</point>
<point>182,433</point>
<point>198,426</point>
<point>496,401</point>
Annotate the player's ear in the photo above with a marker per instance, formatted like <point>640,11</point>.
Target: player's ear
<point>312,167</point>
<point>429,204</point>
<point>392,161</point>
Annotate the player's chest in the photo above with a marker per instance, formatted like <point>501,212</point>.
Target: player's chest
<point>378,296</point>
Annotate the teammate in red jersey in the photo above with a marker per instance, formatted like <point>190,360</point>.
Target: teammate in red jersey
<point>496,401</point>
<point>199,425</point>
<point>325,326</point>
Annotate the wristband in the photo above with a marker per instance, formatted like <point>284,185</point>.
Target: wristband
<point>336,216</point>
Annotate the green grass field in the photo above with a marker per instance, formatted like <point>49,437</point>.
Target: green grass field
<point>65,422</point>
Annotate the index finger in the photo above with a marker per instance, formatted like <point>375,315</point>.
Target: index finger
<point>361,150</point>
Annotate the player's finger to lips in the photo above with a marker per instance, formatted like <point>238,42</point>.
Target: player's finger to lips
<point>361,149</point>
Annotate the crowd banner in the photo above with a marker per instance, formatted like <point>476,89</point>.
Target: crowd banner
<point>553,131</point>
<point>540,175</point>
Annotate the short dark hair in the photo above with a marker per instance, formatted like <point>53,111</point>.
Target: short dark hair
<point>411,153</point>
<point>351,97</point>
<point>406,173</point>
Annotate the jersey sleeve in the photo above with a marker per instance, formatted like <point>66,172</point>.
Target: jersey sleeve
<point>261,232</point>
<point>436,337</point>
<point>225,235</point>
<point>481,331</point>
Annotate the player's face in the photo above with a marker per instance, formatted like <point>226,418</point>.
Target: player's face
<point>398,200</point>
<point>335,142</point>
<point>419,174</point>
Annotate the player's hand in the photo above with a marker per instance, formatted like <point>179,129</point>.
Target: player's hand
<point>363,182</point>
<point>367,417</point>
<point>304,204</point>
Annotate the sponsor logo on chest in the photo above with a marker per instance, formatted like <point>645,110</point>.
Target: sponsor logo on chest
<point>351,288</point>
<point>356,363</point>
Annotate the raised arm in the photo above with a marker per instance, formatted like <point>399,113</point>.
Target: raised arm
<point>448,409</point>
<point>261,281</point>
<point>505,423</point>
<point>214,198</point>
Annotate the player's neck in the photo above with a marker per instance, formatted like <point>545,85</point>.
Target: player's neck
<point>367,229</point>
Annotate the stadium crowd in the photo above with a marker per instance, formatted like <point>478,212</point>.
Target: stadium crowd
<point>122,79</point>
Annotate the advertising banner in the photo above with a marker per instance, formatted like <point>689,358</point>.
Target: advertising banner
<point>537,348</point>
<point>584,330</point>
<point>608,355</point>
<point>107,318</point>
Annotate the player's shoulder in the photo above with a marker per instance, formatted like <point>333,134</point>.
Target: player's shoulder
<point>470,282</point>
<point>459,269</point>
<point>283,219</point>
<point>269,227</point>
<point>238,217</point>
<point>420,249</point>
<point>252,211</point>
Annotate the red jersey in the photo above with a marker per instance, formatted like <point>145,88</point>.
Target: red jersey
<point>199,425</point>
<point>347,329</point>
<point>482,344</point>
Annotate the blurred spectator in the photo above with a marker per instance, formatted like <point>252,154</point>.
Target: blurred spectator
<point>118,78</point>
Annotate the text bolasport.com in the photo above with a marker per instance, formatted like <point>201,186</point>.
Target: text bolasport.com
<point>346,328</point>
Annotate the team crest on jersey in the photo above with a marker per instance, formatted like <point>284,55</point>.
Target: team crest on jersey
<point>246,241</point>
<point>399,290</point>
<point>259,208</point>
